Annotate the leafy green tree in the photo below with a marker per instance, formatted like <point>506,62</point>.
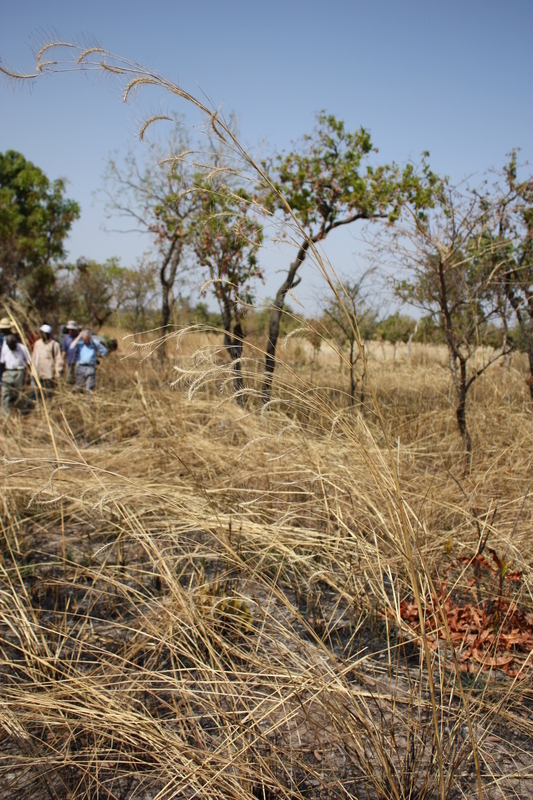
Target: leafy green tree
<point>189,313</point>
<point>93,292</point>
<point>427,331</point>
<point>226,240</point>
<point>326,184</point>
<point>35,219</point>
<point>396,328</point>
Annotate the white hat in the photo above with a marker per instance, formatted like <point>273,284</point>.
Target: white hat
<point>46,329</point>
<point>72,326</point>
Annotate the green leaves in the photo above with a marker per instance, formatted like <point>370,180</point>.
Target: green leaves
<point>93,291</point>
<point>35,218</point>
<point>329,181</point>
<point>323,182</point>
<point>226,239</point>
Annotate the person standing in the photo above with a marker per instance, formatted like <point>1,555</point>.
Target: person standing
<point>14,359</point>
<point>87,351</point>
<point>5,330</point>
<point>69,356</point>
<point>46,357</point>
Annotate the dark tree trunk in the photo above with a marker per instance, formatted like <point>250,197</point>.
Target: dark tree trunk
<point>352,374</point>
<point>363,379</point>
<point>165,318</point>
<point>270,359</point>
<point>525,327</point>
<point>528,335</point>
<point>290,281</point>
<point>167,280</point>
<point>460,410</point>
<point>529,344</point>
<point>459,376</point>
<point>233,342</point>
<point>165,307</point>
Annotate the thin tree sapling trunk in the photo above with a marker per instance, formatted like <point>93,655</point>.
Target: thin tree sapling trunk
<point>460,410</point>
<point>352,373</point>
<point>525,328</point>
<point>270,359</point>
<point>167,277</point>
<point>233,342</point>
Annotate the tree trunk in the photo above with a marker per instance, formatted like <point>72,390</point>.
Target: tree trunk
<point>526,332</point>
<point>460,410</point>
<point>352,374</point>
<point>233,342</point>
<point>172,260</point>
<point>165,317</point>
<point>458,376</point>
<point>270,358</point>
<point>529,345</point>
<point>528,335</point>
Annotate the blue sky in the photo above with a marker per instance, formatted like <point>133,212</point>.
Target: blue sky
<point>450,77</point>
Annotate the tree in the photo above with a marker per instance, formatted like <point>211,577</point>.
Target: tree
<point>93,292</point>
<point>156,199</point>
<point>443,254</point>
<point>290,320</point>
<point>511,250</point>
<point>324,186</point>
<point>396,328</point>
<point>139,289</point>
<point>35,219</point>
<point>226,240</point>
<point>351,322</point>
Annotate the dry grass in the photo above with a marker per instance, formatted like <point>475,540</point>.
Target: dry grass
<point>200,601</point>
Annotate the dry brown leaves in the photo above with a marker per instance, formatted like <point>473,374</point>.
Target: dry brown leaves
<point>486,635</point>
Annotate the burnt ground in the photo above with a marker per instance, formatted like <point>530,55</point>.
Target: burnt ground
<point>101,618</point>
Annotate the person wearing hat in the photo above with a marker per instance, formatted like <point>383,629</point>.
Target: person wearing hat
<point>14,358</point>
<point>87,351</point>
<point>46,357</point>
<point>69,356</point>
<point>5,330</point>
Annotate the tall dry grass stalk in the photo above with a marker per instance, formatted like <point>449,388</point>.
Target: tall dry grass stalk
<point>226,617</point>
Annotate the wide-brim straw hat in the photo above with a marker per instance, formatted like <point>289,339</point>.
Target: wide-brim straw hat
<point>5,323</point>
<point>71,325</point>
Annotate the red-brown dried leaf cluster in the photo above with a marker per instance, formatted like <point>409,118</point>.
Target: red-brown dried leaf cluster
<point>492,634</point>
<point>478,562</point>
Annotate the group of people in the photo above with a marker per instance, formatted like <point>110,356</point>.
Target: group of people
<point>76,358</point>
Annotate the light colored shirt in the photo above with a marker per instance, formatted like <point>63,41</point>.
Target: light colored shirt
<point>46,357</point>
<point>86,354</point>
<point>18,358</point>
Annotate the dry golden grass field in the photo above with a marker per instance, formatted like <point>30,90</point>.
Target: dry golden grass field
<point>307,601</point>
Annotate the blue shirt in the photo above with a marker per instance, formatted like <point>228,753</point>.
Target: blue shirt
<point>71,354</point>
<point>86,354</point>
